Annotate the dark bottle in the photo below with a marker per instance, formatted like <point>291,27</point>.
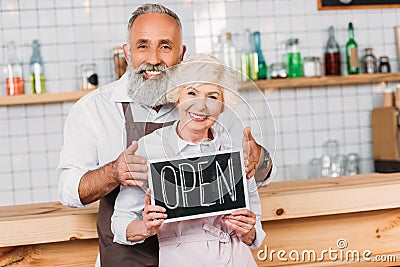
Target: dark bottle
<point>384,66</point>
<point>262,66</point>
<point>37,70</point>
<point>332,54</point>
<point>353,65</point>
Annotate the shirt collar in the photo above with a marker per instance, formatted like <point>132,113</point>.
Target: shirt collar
<point>119,90</point>
<point>180,146</point>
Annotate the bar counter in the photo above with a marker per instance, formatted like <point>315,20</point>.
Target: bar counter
<point>306,221</point>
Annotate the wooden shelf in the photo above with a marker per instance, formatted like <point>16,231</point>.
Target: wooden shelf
<point>42,98</point>
<point>324,81</point>
<point>262,84</point>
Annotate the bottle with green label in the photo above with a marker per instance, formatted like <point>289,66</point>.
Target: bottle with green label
<point>353,65</point>
<point>37,70</point>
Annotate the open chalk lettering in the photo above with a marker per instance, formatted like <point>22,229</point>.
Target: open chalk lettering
<point>199,186</point>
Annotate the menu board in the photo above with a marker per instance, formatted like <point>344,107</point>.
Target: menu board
<point>357,4</point>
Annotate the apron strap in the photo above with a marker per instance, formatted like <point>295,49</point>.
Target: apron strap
<point>127,111</point>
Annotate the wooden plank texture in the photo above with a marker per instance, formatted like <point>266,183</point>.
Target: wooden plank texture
<point>363,209</point>
<point>326,196</point>
<point>45,223</point>
<point>80,253</point>
<point>261,84</point>
<point>323,81</point>
<point>377,231</point>
<point>42,98</point>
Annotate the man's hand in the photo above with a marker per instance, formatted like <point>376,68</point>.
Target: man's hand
<point>153,217</point>
<point>242,222</point>
<point>252,153</point>
<point>130,169</point>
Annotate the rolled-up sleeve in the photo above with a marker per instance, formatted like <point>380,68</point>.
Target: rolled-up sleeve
<point>78,154</point>
<point>255,206</point>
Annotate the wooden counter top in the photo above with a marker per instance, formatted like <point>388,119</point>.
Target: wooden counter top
<point>327,196</point>
<point>46,223</point>
<point>51,222</point>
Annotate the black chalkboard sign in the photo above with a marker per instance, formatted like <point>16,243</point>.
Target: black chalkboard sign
<point>199,186</point>
<point>357,4</point>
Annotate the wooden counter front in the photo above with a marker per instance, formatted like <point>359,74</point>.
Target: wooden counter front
<point>305,215</point>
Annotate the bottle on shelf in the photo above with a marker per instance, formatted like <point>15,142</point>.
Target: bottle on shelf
<point>332,54</point>
<point>295,67</point>
<point>14,77</point>
<point>37,70</point>
<point>248,58</point>
<point>369,61</point>
<point>262,66</point>
<point>229,51</point>
<point>384,65</point>
<point>353,65</point>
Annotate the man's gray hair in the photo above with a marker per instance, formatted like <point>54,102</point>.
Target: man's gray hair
<point>149,9</point>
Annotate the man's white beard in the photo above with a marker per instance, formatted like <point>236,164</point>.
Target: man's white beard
<point>146,91</point>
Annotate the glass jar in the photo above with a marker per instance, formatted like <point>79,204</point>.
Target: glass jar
<point>278,71</point>
<point>369,61</point>
<point>384,66</point>
<point>312,67</point>
<point>89,76</point>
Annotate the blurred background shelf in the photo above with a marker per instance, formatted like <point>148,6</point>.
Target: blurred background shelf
<point>324,81</point>
<point>42,98</point>
<point>262,84</point>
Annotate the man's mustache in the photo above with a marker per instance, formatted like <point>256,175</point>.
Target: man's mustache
<point>150,67</point>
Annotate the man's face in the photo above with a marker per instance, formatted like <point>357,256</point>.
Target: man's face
<point>155,45</point>
<point>155,38</point>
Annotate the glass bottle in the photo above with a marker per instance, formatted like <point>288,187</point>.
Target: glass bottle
<point>384,66</point>
<point>37,70</point>
<point>229,51</point>
<point>295,68</point>
<point>248,58</point>
<point>369,61</point>
<point>262,66</point>
<point>332,54</point>
<point>353,66</point>
<point>14,80</point>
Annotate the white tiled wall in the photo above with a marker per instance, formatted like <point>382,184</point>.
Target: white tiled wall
<point>76,32</point>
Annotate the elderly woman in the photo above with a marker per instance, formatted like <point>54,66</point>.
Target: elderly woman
<point>202,87</point>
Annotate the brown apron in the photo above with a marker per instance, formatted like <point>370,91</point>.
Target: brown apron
<point>113,254</point>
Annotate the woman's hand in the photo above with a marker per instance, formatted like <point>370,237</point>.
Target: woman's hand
<point>153,216</point>
<point>242,222</point>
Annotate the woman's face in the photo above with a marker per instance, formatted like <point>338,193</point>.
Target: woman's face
<point>199,106</point>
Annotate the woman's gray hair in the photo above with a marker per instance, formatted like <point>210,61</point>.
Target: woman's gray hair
<point>150,9</point>
<point>200,69</point>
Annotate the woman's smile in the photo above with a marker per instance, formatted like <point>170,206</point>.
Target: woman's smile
<point>198,117</point>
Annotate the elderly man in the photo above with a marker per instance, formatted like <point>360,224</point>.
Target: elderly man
<point>102,128</point>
